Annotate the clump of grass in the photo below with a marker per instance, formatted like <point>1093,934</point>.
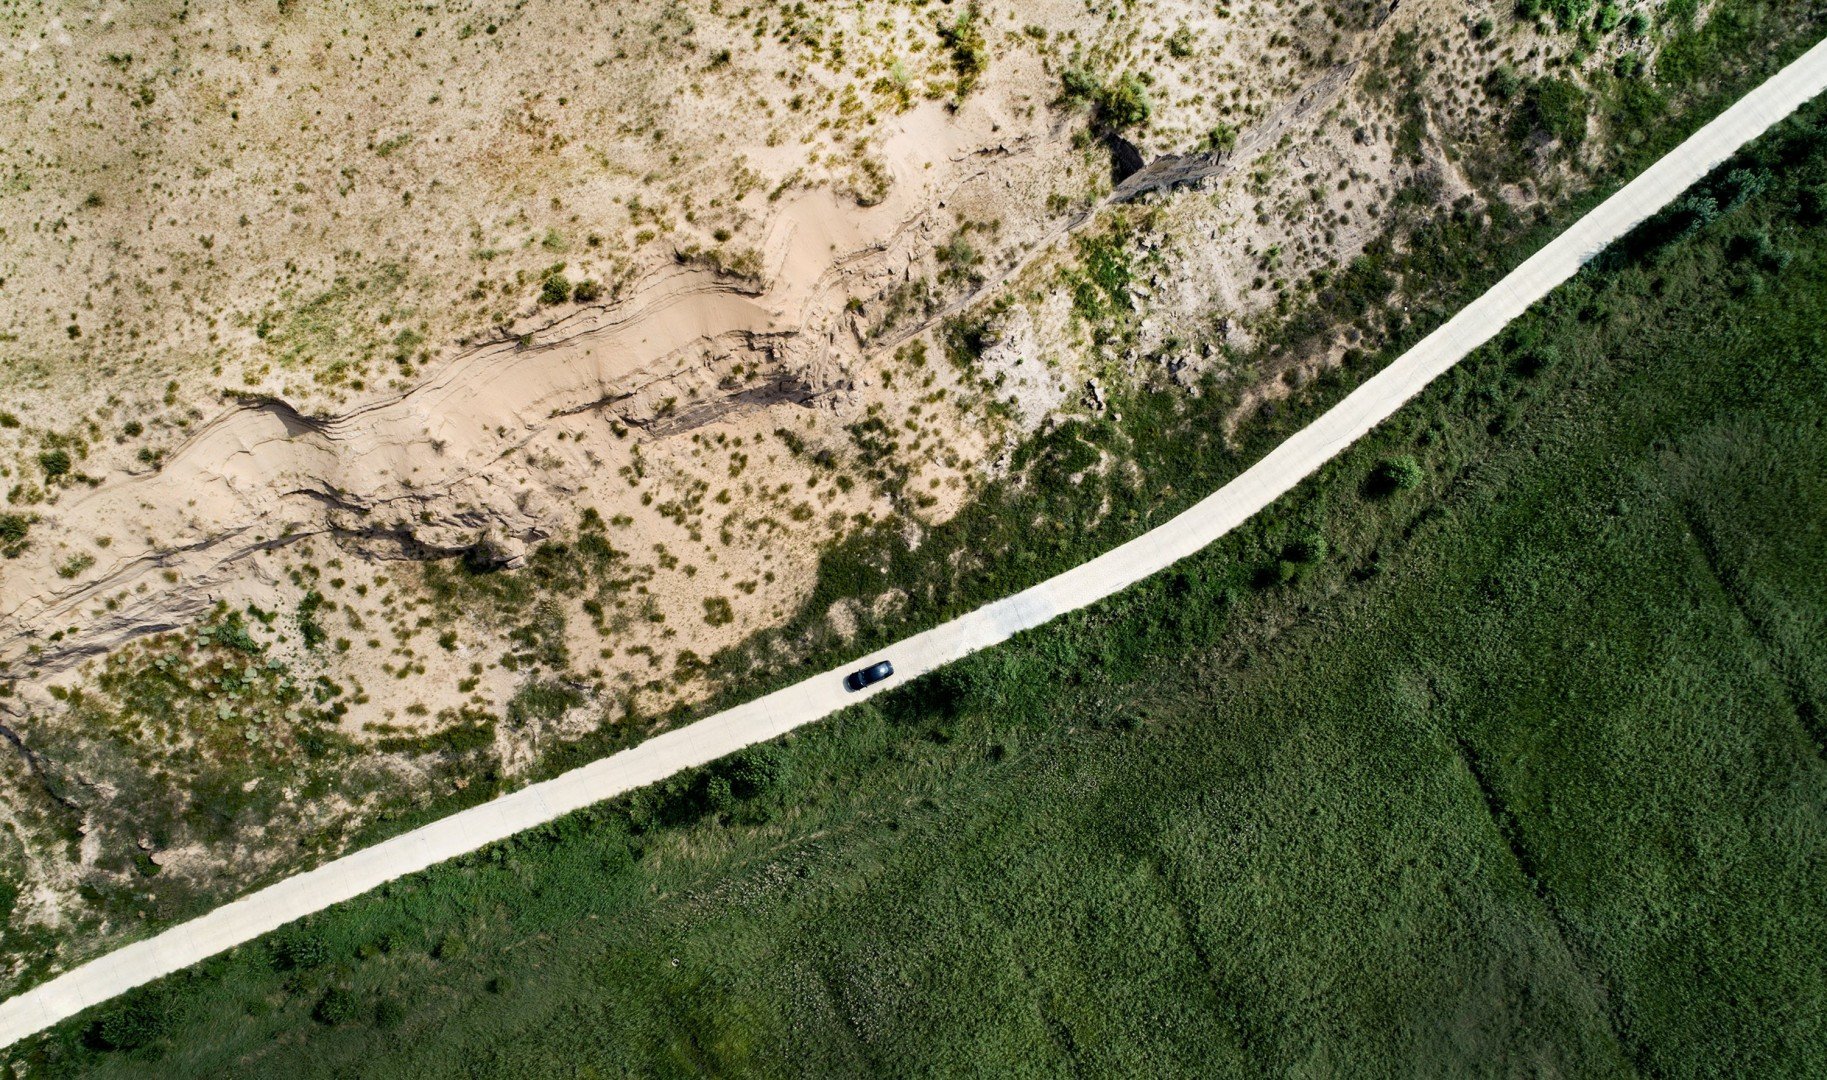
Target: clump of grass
<point>14,530</point>
<point>543,700</point>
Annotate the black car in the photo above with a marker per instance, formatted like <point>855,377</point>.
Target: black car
<point>869,676</point>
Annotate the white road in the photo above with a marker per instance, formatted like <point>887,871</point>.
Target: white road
<point>715,736</point>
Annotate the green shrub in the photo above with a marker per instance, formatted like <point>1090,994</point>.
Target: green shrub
<point>1535,360</point>
<point>1812,202</point>
<point>337,1006</point>
<point>1569,13</point>
<point>555,289</point>
<point>970,55</point>
<point>1503,83</point>
<point>232,632</point>
<point>1390,475</point>
<point>1757,249</point>
<point>587,291</point>
<point>138,1020</point>
<point>1739,186</point>
<point>542,699</point>
<point>1308,548</point>
<point>387,1012</point>
<point>300,950</point>
<point>1078,84</point>
<point>55,463</point>
<point>1123,104</point>
<point>1558,108</point>
<point>1693,212</point>
<point>308,627</point>
<point>13,530</point>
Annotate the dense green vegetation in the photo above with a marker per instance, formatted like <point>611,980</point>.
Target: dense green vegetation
<point>1520,769</point>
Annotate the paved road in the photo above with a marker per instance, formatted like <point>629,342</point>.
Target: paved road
<point>817,697</point>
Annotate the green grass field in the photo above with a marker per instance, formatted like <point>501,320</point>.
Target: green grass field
<point>1517,770</point>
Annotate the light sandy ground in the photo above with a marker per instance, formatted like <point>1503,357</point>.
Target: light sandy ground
<point>805,702</point>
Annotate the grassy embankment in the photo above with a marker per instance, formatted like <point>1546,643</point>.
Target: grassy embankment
<point>1496,746</point>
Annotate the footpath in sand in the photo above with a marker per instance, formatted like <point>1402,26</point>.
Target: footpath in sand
<point>817,697</point>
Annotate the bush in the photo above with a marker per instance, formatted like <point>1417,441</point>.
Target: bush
<point>587,291</point>
<point>388,1012</point>
<point>969,53</point>
<point>1395,474</point>
<point>1813,204</point>
<point>1308,548</point>
<point>300,950</point>
<point>1503,83</point>
<point>1123,104</point>
<point>1693,212</point>
<point>1569,13</point>
<point>13,529</point>
<point>1535,360</point>
<point>542,699</point>
<point>1739,186</point>
<point>55,463</point>
<point>140,1019</point>
<point>233,633</point>
<point>312,631</point>
<point>753,772</point>
<point>1756,247</point>
<point>555,289</point>
<point>337,1006</point>
<point>1558,108</point>
<point>1078,84</point>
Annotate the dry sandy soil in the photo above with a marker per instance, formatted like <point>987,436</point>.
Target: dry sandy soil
<point>632,306</point>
